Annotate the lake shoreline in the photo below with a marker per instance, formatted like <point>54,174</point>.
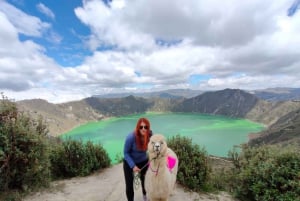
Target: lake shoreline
<point>218,134</point>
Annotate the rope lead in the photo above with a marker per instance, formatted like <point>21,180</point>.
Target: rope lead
<point>136,180</point>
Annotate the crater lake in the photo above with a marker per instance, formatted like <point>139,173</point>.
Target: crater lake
<point>217,134</point>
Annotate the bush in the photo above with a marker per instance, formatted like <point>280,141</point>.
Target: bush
<point>193,169</point>
<point>267,173</point>
<point>74,158</point>
<point>24,161</point>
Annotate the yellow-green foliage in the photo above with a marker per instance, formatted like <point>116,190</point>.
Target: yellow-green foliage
<point>75,158</point>
<point>267,173</point>
<point>24,161</point>
<point>193,169</point>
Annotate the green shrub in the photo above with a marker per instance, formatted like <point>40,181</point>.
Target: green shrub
<point>11,195</point>
<point>267,173</point>
<point>119,158</point>
<point>24,157</point>
<point>193,169</point>
<point>75,158</point>
<point>97,157</point>
<point>221,173</point>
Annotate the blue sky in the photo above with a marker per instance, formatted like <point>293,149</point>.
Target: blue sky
<point>71,49</point>
<point>64,41</point>
<point>294,8</point>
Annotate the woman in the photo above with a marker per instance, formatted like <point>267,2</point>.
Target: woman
<point>135,156</point>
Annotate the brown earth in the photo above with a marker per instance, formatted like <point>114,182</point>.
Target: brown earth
<point>109,185</point>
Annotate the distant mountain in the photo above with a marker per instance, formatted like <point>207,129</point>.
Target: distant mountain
<point>228,102</point>
<point>278,94</point>
<point>119,106</point>
<point>281,117</point>
<point>170,93</point>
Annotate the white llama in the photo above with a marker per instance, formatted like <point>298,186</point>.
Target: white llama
<point>162,171</point>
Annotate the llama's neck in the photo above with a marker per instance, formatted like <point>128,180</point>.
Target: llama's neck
<point>158,165</point>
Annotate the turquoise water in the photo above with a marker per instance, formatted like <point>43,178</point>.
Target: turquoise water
<point>217,134</point>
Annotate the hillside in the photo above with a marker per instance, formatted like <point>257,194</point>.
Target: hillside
<point>235,103</point>
<point>228,102</point>
<point>278,94</point>
<point>269,113</point>
<point>285,131</point>
<point>119,106</point>
<point>60,117</point>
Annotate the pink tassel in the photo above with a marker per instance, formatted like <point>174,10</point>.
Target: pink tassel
<point>171,161</point>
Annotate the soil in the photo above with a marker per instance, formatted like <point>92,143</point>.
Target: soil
<point>109,185</point>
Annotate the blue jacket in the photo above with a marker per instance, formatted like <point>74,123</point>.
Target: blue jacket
<point>131,154</point>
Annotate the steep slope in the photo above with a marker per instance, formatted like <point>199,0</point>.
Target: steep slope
<point>59,117</point>
<point>268,113</point>
<point>285,131</point>
<point>119,106</point>
<point>228,102</point>
<point>238,104</point>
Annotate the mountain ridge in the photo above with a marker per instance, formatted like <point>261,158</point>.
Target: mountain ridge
<point>269,94</point>
<point>234,103</point>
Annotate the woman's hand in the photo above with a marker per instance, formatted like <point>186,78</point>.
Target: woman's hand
<point>136,169</point>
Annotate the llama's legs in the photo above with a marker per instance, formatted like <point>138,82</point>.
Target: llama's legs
<point>173,189</point>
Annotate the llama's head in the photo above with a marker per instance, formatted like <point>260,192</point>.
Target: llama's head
<point>157,146</point>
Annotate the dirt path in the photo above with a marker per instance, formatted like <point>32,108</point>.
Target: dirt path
<point>109,185</point>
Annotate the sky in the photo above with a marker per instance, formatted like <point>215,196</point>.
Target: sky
<point>68,50</point>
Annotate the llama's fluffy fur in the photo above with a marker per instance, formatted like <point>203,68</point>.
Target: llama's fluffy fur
<point>160,181</point>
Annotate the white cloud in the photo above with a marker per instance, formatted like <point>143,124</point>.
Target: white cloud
<point>108,27</point>
<point>213,22</point>
<point>45,10</point>
<point>234,44</point>
<point>251,82</point>
<point>23,64</point>
<point>25,24</point>
<point>51,95</point>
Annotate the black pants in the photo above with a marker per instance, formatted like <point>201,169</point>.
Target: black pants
<point>128,173</point>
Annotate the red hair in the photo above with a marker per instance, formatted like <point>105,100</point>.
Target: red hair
<point>142,140</point>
